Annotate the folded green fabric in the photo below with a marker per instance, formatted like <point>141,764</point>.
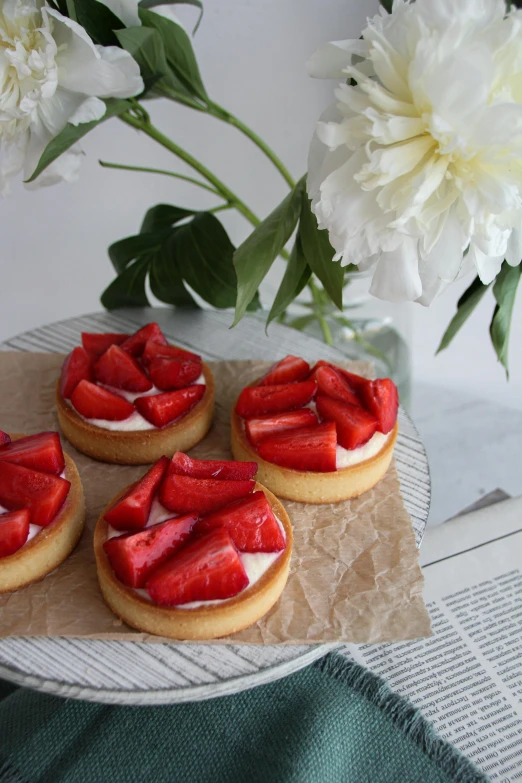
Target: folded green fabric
<point>333,721</point>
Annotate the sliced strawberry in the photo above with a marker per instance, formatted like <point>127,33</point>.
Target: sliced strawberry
<point>4,438</point>
<point>39,452</point>
<point>118,368</point>
<point>93,402</point>
<point>264,426</point>
<point>381,398</point>
<point>289,370</point>
<point>14,529</point>
<point>96,344</point>
<point>132,511</point>
<point>185,494</point>
<point>169,374</point>
<point>254,400</point>
<point>136,342</point>
<point>355,426</point>
<point>134,556</point>
<point>333,384</point>
<point>250,522</point>
<point>355,382</point>
<point>184,465</point>
<point>307,448</point>
<point>207,569</point>
<point>42,493</point>
<point>154,350</point>
<point>77,367</point>
<point>162,409</point>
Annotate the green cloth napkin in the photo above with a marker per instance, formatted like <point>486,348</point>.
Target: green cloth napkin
<point>333,721</point>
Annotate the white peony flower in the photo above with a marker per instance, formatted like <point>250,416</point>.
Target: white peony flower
<point>51,73</point>
<point>416,172</point>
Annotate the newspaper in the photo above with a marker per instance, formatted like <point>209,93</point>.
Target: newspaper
<point>467,678</point>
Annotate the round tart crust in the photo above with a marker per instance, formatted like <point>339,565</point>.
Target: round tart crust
<point>138,447</point>
<point>204,622</point>
<point>309,486</point>
<point>52,545</point>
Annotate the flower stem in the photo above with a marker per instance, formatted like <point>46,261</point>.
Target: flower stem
<point>145,169</point>
<point>318,310</point>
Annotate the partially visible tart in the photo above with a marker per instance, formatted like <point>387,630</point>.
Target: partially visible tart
<point>42,508</point>
<point>129,399</point>
<point>210,559</point>
<point>318,435</point>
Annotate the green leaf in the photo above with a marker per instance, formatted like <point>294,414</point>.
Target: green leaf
<point>163,216</point>
<point>73,133</point>
<point>126,250</point>
<point>128,289</point>
<point>302,321</point>
<point>178,51</point>
<point>465,306</point>
<point>146,47</point>
<point>154,3</point>
<point>258,252</point>
<point>204,253</point>
<point>99,21</point>
<point>294,280</point>
<point>504,291</point>
<point>166,282</point>
<point>387,5</point>
<point>319,253</point>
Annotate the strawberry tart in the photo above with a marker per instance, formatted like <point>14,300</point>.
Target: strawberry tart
<point>194,550</point>
<point>42,508</point>
<point>318,435</point>
<point>129,399</point>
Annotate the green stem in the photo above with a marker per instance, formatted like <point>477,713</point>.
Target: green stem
<point>166,173</point>
<point>318,310</point>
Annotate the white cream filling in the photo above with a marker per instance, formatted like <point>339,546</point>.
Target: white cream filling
<point>345,458</point>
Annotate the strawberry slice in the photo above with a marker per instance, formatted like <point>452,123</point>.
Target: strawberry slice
<point>186,494</point>
<point>250,522</point>
<point>264,426</point>
<point>96,344</point>
<point>118,368</point>
<point>39,452</point>
<point>183,465</point>
<point>207,569</point>
<point>355,426</point>
<point>307,448</point>
<point>4,438</point>
<point>162,409</point>
<point>76,367</point>
<point>154,350</point>
<point>254,400</point>
<point>381,398</point>
<point>355,382</point>
<point>333,384</point>
<point>134,556</point>
<point>93,402</point>
<point>42,493</point>
<point>14,529</point>
<point>169,374</point>
<point>288,370</point>
<point>132,511</point>
<point>136,342</point>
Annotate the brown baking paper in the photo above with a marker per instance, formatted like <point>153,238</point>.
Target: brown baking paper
<point>355,575</point>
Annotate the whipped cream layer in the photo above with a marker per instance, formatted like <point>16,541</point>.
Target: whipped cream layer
<point>255,563</point>
<point>345,458</point>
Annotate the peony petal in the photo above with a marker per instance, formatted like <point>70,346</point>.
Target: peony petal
<point>487,267</point>
<point>90,110</point>
<point>330,60</point>
<point>396,277</point>
<point>514,248</point>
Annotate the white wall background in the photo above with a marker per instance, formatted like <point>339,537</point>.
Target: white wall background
<point>53,261</point>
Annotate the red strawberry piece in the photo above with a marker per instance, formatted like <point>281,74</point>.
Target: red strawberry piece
<point>184,465</point>
<point>96,344</point>
<point>307,448</point>
<point>14,529</point>
<point>132,511</point>
<point>250,522</point>
<point>169,374</point>
<point>42,493</point>
<point>134,556</point>
<point>119,369</point>
<point>186,494</point>
<point>154,350</point>
<point>355,426</point>
<point>254,400</point>
<point>4,438</point>
<point>77,367</point>
<point>207,569</point>
<point>93,402</point>
<point>333,384</point>
<point>355,382</point>
<point>162,409</point>
<point>288,370</point>
<point>264,426</point>
<point>39,452</point>
<point>381,398</point>
<point>136,342</point>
